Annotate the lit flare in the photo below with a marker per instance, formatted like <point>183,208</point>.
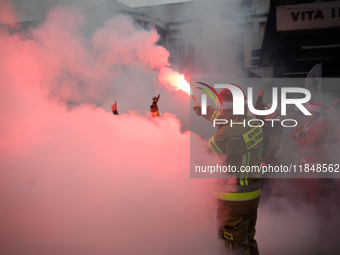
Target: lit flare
<point>173,80</point>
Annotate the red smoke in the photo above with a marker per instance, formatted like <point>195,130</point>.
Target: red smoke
<point>57,56</point>
<point>121,42</point>
<point>82,180</point>
<point>7,13</point>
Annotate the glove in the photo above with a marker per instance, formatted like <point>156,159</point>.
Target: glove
<point>155,100</point>
<point>261,92</point>
<point>301,134</point>
<point>197,108</point>
<point>114,106</point>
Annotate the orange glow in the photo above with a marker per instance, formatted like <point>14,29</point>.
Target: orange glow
<point>181,83</point>
<point>173,80</point>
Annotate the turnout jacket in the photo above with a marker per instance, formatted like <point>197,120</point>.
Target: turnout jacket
<point>242,145</point>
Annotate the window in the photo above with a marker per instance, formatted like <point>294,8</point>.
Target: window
<point>173,46</point>
<point>182,47</point>
<point>190,46</point>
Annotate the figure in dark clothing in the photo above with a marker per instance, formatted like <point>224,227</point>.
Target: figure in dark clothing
<point>114,108</point>
<point>154,107</point>
<point>311,136</point>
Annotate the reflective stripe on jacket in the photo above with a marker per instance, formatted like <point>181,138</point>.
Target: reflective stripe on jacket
<point>242,146</point>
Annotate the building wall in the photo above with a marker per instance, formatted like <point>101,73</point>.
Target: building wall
<point>190,36</point>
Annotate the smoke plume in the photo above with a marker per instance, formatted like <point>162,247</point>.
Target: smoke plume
<point>77,180</point>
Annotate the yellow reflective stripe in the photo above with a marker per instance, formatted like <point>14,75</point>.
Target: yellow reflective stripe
<point>237,196</point>
<point>245,162</point>
<point>247,173</point>
<point>214,147</point>
<point>154,113</point>
<point>211,145</point>
<point>217,113</point>
<point>213,141</point>
<point>242,173</point>
<point>253,137</point>
<point>241,180</point>
<point>213,115</point>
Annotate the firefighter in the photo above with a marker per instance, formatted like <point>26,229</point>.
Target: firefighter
<point>237,203</point>
<point>311,135</point>
<point>114,108</point>
<point>154,107</point>
<point>335,132</point>
<point>334,148</point>
<point>292,111</point>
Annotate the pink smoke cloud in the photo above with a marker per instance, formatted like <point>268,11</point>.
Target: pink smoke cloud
<point>73,68</point>
<point>87,181</point>
<point>83,180</point>
<point>7,13</point>
<point>121,42</point>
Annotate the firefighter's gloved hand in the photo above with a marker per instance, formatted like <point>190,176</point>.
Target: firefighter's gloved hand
<point>114,106</point>
<point>301,134</point>
<point>155,100</point>
<point>198,109</point>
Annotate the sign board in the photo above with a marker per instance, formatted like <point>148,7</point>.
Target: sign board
<point>308,16</point>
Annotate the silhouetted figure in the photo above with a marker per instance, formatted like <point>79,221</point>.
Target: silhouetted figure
<point>114,108</point>
<point>154,107</point>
